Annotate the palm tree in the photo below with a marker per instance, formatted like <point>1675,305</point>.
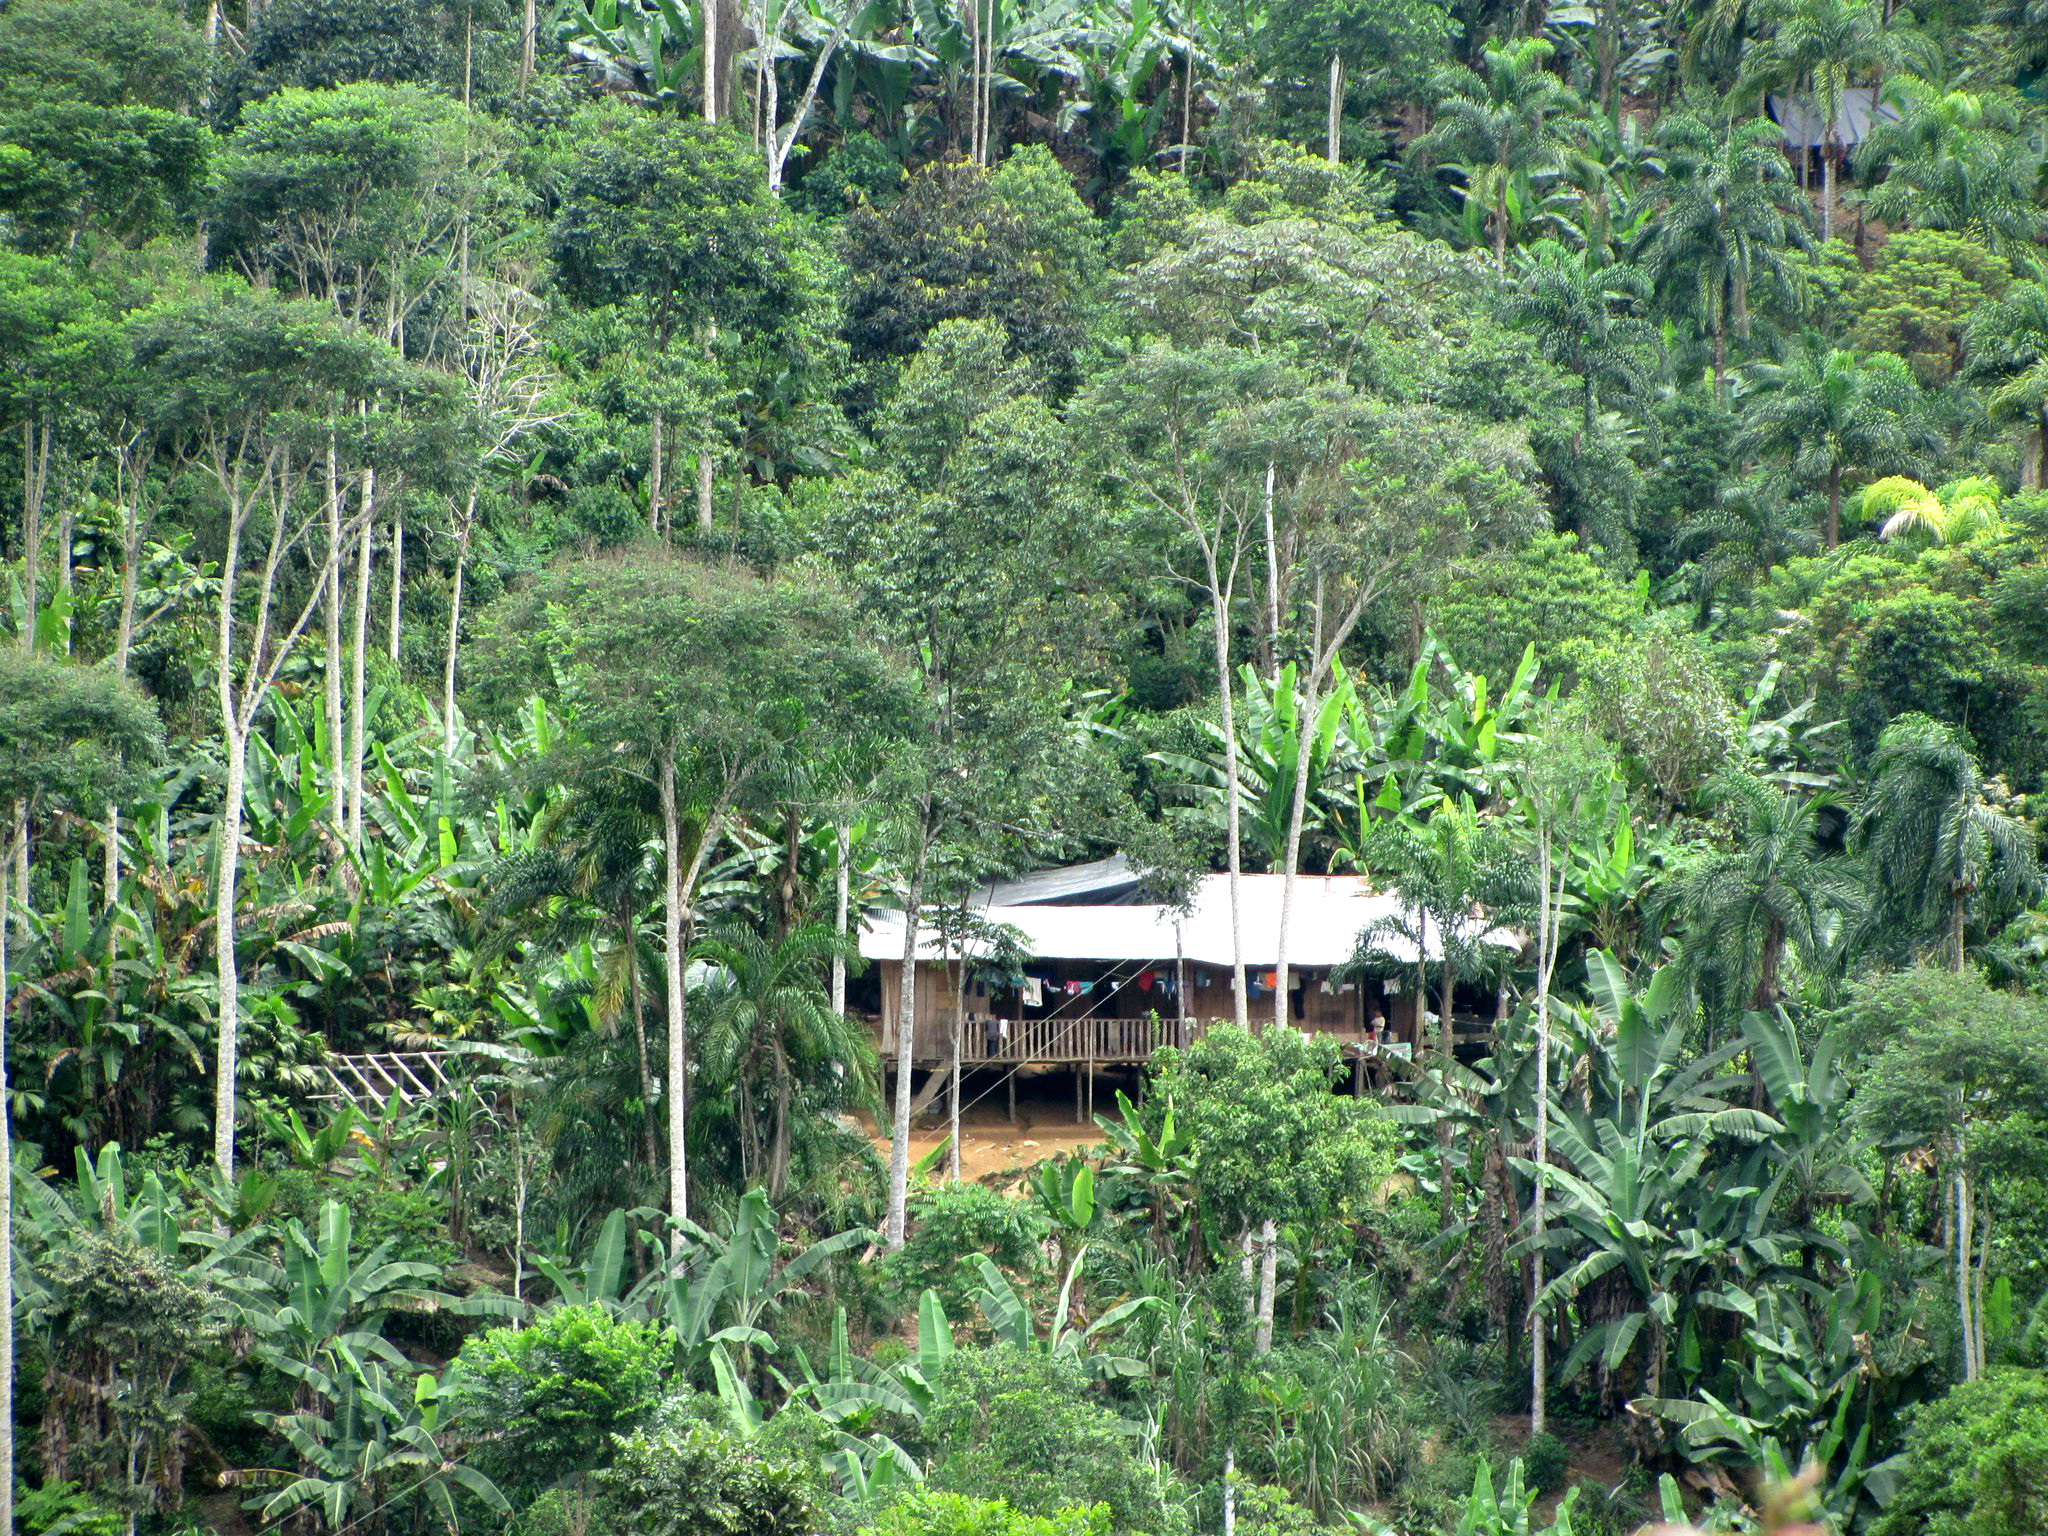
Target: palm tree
<point>1730,214</point>
<point>1830,413</point>
<point>1738,911</point>
<point>1954,514</point>
<point>1746,534</point>
<point>2006,346</point>
<point>1495,126</point>
<point>1936,834</point>
<point>1587,318</point>
<point>771,1037</point>
<point>1952,160</point>
<point>1818,47</point>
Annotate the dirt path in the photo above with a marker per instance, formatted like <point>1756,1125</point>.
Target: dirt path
<point>990,1146</point>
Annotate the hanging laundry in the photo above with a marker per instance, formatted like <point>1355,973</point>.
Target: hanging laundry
<point>1145,980</point>
<point>1034,992</point>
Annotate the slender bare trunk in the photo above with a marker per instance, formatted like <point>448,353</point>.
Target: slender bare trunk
<point>358,726</point>
<point>1827,187</point>
<point>707,474</point>
<point>841,891</point>
<point>679,882</point>
<point>1269,1263</point>
<point>225,883</point>
<point>1547,914</point>
<point>1983,1264</point>
<point>1333,129</point>
<point>1963,1308</point>
<point>529,32</point>
<point>906,1030</point>
<point>6,1245</point>
<point>397,573</point>
<point>638,1002</point>
<point>337,759</point>
<point>953,1099</point>
<point>1271,658</point>
<point>709,42</point>
<point>1219,611</point>
<point>455,628</point>
<point>655,434</point>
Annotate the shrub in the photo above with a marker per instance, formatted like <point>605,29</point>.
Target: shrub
<point>1976,1462</point>
<point>1547,1459</point>
<point>925,1513</point>
<point>681,1475</point>
<point>949,1223</point>
<point>1022,1427</point>
<point>546,1400</point>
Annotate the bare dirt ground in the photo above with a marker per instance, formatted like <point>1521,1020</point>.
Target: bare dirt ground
<point>993,1148</point>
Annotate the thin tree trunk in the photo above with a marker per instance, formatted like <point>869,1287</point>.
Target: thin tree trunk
<point>455,630</point>
<point>1834,507</point>
<point>1333,127</point>
<point>1720,358</point>
<point>1447,1056</point>
<point>1270,660</point>
<point>953,1098</point>
<point>1219,612</point>
<point>906,1029</point>
<point>654,446</point>
<point>1546,964</point>
<point>1827,186</point>
<point>397,573</point>
<point>707,473</point>
<point>677,886</point>
<point>358,726</point>
<point>709,42</point>
<point>841,891</point>
<point>229,1010</point>
<point>1983,1264</point>
<point>337,759</point>
<point>529,31</point>
<point>6,1245</point>
<point>1269,1263</point>
<point>1962,1189</point>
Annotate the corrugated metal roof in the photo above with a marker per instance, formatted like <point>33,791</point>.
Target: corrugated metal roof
<point>1325,920</point>
<point>1806,128</point>
<point>1111,881</point>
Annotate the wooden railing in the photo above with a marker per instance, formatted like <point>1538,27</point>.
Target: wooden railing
<point>370,1081</point>
<point>1056,1040</point>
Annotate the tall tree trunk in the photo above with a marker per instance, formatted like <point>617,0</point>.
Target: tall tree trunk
<point>953,1097</point>
<point>655,434</point>
<point>1546,964</point>
<point>6,1245</point>
<point>1333,126</point>
<point>229,979</point>
<point>337,749</point>
<point>455,628</point>
<point>906,1030</point>
<point>709,42</point>
<point>1963,1309</point>
<point>778,1153</point>
<point>1219,613</point>
<point>1269,658</point>
<point>1269,1267</point>
<point>841,892</point>
<point>397,573</point>
<point>707,474</point>
<point>675,893</point>
<point>1447,1057</point>
<point>529,31</point>
<point>1983,1264</point>
<point>358,726</point>
<point>1827,186</point>
<point>1834,531</point>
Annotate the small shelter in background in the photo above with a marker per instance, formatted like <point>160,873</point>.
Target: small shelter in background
<point>1110,975</point>
<point>1805,124</point>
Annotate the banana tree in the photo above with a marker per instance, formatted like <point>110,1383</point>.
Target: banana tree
<point>649,49</point>
<point>1010,1321</point>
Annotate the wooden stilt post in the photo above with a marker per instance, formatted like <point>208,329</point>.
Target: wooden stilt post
<point>1358,1073</point>
<point>1012,1079</point>
<point>1077,1095</point>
